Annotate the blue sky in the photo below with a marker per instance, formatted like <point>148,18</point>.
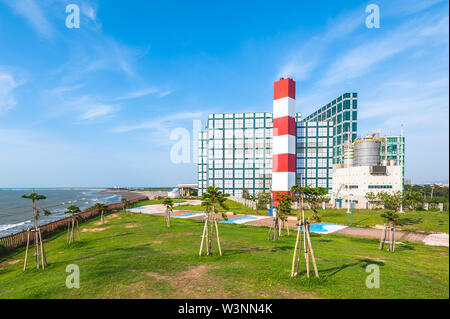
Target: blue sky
<point>95,106</point>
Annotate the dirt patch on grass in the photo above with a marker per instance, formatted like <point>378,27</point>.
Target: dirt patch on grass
<point>100,223</point>
<point>115,215</point>
<point>372,258</point>
<point>157,242</point>
<point>253,249</point>
<point>196,282</point>
<point>93,230</point>
<point>12,262</point>
<point>133,225</point>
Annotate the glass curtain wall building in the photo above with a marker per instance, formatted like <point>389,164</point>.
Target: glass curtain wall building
<point>235,152</point>
<point>343,113</point>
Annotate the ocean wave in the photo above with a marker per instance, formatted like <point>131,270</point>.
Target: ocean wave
<point>9,226</point>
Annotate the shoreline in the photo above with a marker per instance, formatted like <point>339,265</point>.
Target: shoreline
<point>53,189</point>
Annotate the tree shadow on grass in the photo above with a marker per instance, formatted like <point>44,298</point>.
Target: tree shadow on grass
<point>76,244</point>
<point>330,272</point>
<point>411,221</point>
<point>282,248</point>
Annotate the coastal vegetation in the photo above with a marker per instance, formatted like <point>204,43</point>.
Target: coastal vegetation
<point>168,203</point>
<point>419,221</point>
<point>38,243</point>
<point>72,210</point>
<point>134,256</point>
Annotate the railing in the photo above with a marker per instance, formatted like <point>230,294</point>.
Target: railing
<point>19,239</point>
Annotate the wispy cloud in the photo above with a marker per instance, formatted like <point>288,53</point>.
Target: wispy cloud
<point>303,59</point>
<point>159,123</point>
<point>7,86</point>
<point>96,111</point>
<point>365,57</point>
<point>32,12</point>
<point>138,94</point>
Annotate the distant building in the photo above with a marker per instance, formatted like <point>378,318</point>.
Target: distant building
<point>367,172</point>
<point>237,150</point>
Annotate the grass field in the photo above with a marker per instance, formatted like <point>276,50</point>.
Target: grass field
<point>137,256</point>
<point>428,222</point>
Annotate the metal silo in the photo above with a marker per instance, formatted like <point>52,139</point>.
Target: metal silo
<point>366,151</point>
<point>348,154</point>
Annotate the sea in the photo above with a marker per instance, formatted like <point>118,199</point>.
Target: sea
<point>16,213</point>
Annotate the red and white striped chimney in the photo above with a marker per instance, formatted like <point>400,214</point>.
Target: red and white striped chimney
<point>283,143</point>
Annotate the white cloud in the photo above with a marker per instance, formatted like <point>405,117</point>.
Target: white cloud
<point>365,57</point>
<point>302,60</point>
<point>138,93</point>
<point>31,11</point>
<point>97,111</point>
<point>159,123</point>
<point>7,85</point>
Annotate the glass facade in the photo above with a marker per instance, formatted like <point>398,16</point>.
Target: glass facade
<point>235,149</point>
<point>393,148</point>
<point>235,152</point>
<point>343,113</point>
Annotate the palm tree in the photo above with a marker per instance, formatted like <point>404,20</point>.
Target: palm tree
<point>125,204</point>
<point>102,208</point>
<point>73,210</point>
<point>168,202</point>
<point>34,197</point>
<point>212,196</point>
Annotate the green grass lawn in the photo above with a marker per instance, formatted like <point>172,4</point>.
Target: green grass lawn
<point>420,221</point>
<point>137,256</point>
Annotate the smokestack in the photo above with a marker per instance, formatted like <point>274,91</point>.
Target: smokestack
<point>284,131</point>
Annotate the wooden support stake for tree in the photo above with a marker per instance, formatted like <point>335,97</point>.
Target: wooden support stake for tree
<point>71,233</point>
<point>68,231</point>
<point>393,239</point>
<point>312,253</point>
<point>203,238</point>
<point>299,251</point>
<point>78,230</point>
<point>295,252</point>
<point>36,248</point>
<point>383,237</point>
<point>42,249</point>
<point>305,249</point>
<point>26,250</point>
<point>218,239</point>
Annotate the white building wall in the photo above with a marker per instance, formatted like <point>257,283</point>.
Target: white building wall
<point>362,182</point>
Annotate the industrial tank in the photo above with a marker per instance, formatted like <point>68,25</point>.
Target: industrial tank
<point>366,151</point>
<point>348,154</point>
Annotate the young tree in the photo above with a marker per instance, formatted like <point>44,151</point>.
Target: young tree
<point>35,197</point>
<point>263,200</point>
<point>211,197</point>
<point>391,217</point>
<point>254,199</point>
<point>283,204</point>
<point>391,201</point>
<point>412,199</point>
<point>125,205</point>
<point>371,199</point>
<point>312,196</point>
<point>168,203</point>
<point>72,210</point>
<point>245,193</point>
<point>316,196</point>
<point>102,208</point>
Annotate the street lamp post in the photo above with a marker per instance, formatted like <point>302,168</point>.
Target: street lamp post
<point>351,208</point>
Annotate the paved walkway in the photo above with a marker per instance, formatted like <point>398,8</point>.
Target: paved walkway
<point>433,239</point>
